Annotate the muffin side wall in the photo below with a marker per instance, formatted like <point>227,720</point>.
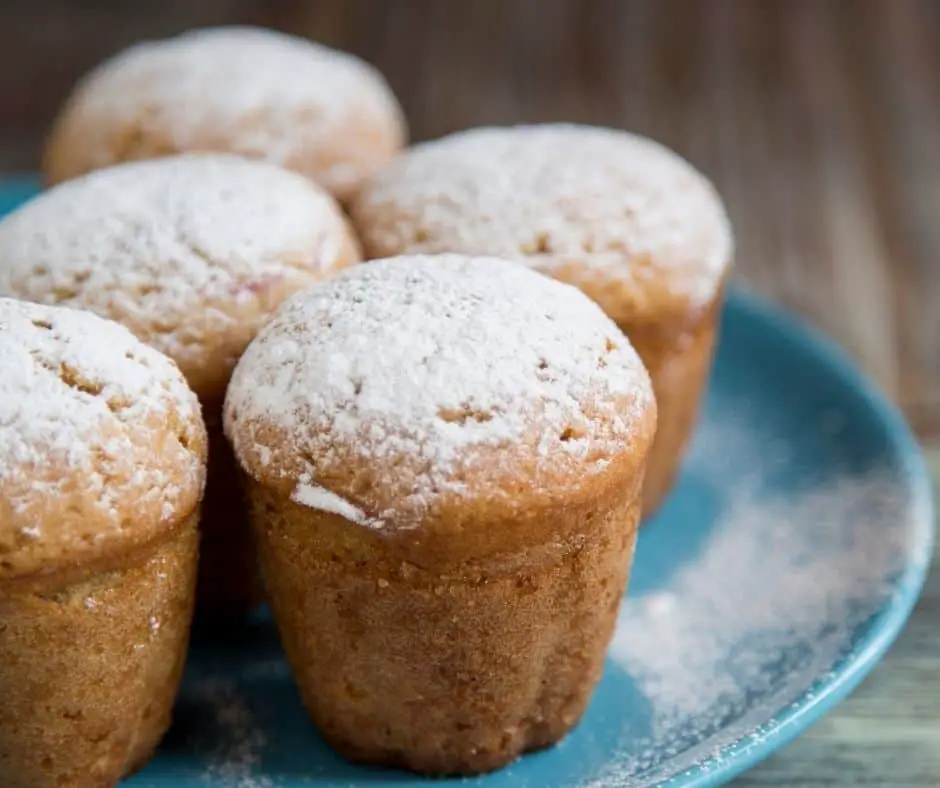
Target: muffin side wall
<point>679,373</point>
<point>90,669</point>
<point>442,674</point>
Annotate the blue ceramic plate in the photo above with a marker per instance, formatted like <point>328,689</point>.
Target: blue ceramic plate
<point>781,569</point>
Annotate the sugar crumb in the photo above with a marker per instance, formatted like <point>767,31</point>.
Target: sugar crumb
<point>233,751</point>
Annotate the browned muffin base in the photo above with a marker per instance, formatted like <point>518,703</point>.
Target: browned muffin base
<point>679,371</point>
<point>91,663</point>
<point>453,674</point>
<point>229,580</point>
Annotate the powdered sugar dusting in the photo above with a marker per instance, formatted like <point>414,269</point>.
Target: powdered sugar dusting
<point>176,249</point>
<point>250,91</point>
<point>76,396</point>
<point>317,497</point>
<point>603,209</point>
<point>413,364</point>
<point>765,608</point>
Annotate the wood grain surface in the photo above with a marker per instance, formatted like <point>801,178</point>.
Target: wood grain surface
<point>819,120</point>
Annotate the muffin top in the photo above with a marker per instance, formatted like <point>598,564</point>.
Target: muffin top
<point>401,390</point>
<point>621,217</point>
<point>192,253</point>
<point>251,91</point>
<point>102,446</point>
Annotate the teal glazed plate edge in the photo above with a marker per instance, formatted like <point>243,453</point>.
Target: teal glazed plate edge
<point>781,381</point>
<point>17,188</point>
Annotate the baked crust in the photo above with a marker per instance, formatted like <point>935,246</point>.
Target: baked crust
<point>396,390</point>
<point>191,253</point>
<point>444,458</point>
<point>679,369</point>
<point>619,216</point>
<point>455,669</point>
<point>622,218</point>
<point>102,446</point>
<point>248,91</point>
<point>102,466</point>
<point>92,657</point>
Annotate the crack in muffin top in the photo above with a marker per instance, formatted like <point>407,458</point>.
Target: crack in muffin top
<point>406,380</point>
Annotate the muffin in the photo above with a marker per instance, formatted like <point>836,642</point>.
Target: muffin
<point>192,253</point>
<point>444,459</point>
<point>619,216</point>
<point>243,90</point>
<point>102,466</point>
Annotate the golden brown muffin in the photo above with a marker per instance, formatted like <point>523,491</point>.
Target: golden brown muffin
<point>444,458</point>
<point>192,253</point>
<point>242,90</point>
<point>102,467</point>
<point>619,216</point>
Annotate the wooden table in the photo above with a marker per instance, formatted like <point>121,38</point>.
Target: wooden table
<point>819,120</point>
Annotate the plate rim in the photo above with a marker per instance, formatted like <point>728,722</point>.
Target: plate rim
<point>824,694</point>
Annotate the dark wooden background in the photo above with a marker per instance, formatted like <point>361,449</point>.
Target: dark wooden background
<point>819,120</point>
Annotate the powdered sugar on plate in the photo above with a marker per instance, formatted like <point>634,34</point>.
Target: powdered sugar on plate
<point>411,366</point>
<point>232,751</point>
<point>763,610</point>
<point>617,214</point>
